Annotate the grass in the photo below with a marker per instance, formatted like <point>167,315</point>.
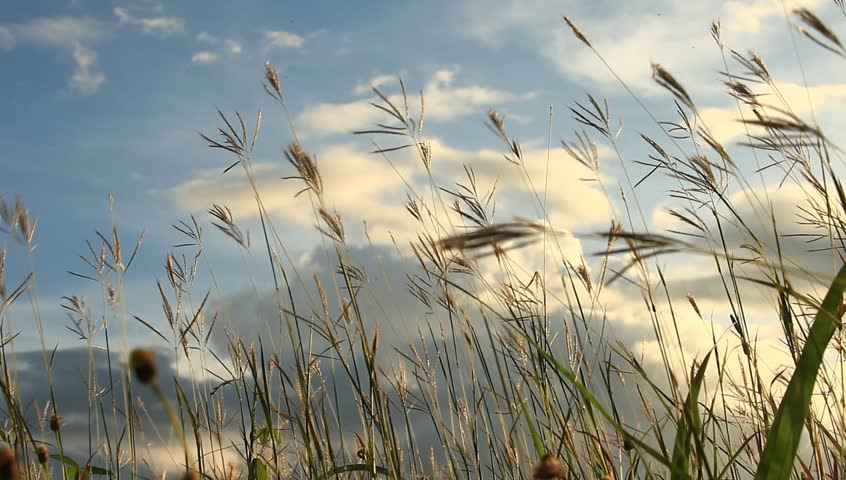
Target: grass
<point>515,373</point>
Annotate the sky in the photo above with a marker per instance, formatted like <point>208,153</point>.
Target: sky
<point>109,98</point>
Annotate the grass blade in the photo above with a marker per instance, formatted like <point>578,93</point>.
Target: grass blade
<point>688,426</point>
<point>540,450</point>
<point>783,438</point>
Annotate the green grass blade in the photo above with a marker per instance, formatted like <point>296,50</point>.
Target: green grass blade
<point>783,438</point>
<point>540,450</point>
<point>687,426</point>
<point>258,470</point>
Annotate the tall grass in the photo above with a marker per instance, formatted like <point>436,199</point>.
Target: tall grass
<point>514,373</point>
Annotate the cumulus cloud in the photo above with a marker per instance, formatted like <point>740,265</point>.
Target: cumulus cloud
<point>360,185</point>
<point>204,57</point>
<point>281,39</point>
<point>161,25</point>
<point>615,316</point>
<point>809,265</point>
<point>444,101</point>
<point>343,118</point>
<point>822,100</point>
<point>364,187</point>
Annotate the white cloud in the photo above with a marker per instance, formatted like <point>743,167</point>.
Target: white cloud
<point>71,34</point>
<point>204,57</point>
<point>59,31</point>
<point>206,37</point>
<point>364,187</point>
<point>823,100</point>
<point>355,182</point>
<point>233,46</point>
<point>808,264</point>
<point>328,118</point>
<point>377,81</point>
<point>7,40</point>
<point>162,26</point>
<point>282,39</point>
<point>86,79</point>
<point>444,101</point>
<point>630,37</point>
<point>573,203</point>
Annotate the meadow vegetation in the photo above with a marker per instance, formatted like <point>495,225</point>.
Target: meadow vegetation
<point>516,373</point>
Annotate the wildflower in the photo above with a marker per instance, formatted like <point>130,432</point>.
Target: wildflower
<point>550,466</point>
<point>142,364</point>
<point>42,454</point>
<point>55,422</point>
<point>190,475</point>
<point>9,469</point>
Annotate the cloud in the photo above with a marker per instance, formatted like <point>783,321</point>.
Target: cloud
<point>74,35</point>
<point>86,78</point>
<point>808,264</point>
<point>402,320</point>
<point>572,203</point>
<point>281,39</point>
<point>357,183</point>
<point>444,101</point>
<point>377,82</point>
<point>233,46</point>
<point>58,31</point>
<point>344,118</point>
<point>822,100</point>
<point>365,188</point>
<point>76,366</point>
<point>7,40</point>
<point>206,37</point>
<point>670,32</point>
<point>204,57</point>
<point>162,26</point>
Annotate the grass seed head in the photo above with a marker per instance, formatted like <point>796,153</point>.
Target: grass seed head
<point>549,466</point>
<point>42,453</point>
<point>9,468</point>
<point>55,423</point>
<point>190,475</point>
<point>272,77</point>
<point>142,363</point>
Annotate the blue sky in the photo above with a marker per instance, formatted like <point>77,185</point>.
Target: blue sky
<point>103,98</point>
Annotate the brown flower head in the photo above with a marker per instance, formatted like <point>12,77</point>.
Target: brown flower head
<point>190,475</point>
<point>9,468</point>
<point>549,466</point>
<point>42,453</point>
<point>142,363</point>
<point>55,422</point>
